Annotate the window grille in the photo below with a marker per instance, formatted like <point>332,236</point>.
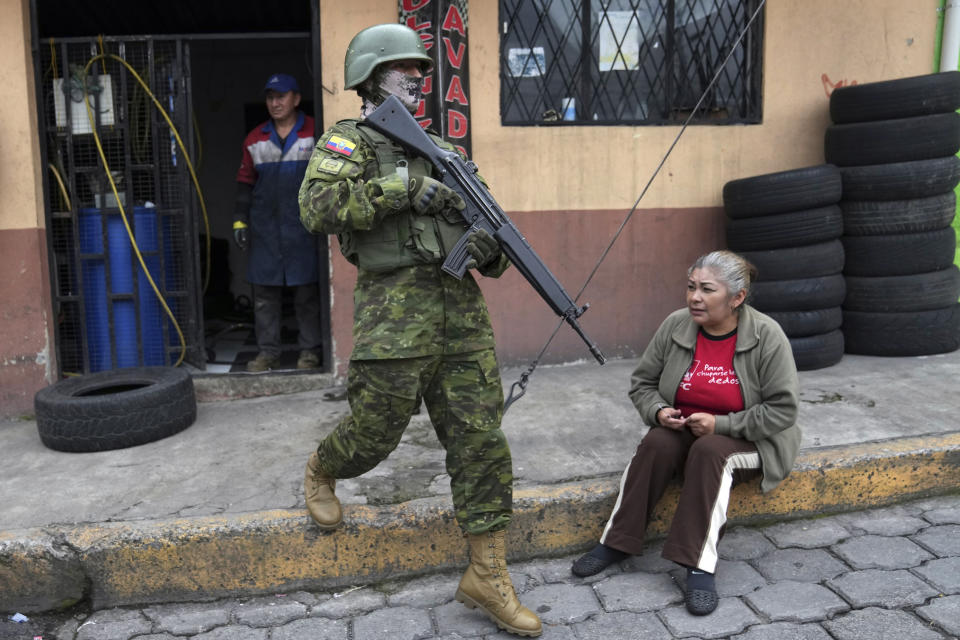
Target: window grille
<point>631,62</point>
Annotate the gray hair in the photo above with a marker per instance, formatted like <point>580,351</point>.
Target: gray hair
<point>731,269</point>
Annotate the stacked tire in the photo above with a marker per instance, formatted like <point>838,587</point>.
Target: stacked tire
<point>896,143</point>
<point>788,224</point>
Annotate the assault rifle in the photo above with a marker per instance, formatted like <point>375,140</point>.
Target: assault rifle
<point>482,212</point>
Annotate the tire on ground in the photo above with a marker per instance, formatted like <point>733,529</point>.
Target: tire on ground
<point>882,217</point>
<point>799,324</point>
<point>799,295</point>
<point>806,188</point>
<point>882,141</point>
<point>901,180</point>
<point>909,333</point>
<point>899,98</point>
<point>899,254</point>
<point>913,292</point>
<point>115,409</point>
<point>818,351</point>
<point>791,263</point>
<point>781,230</point>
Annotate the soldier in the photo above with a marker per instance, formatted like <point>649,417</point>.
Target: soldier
<point>418,332</point>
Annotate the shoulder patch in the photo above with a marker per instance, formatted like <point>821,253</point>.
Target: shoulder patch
<point>341,145</point>
<point>330,165</point>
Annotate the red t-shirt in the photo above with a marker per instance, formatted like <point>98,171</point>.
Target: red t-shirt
<point>710,385</point>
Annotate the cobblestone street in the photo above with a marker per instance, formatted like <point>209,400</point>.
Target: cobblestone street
<point>889,573</point>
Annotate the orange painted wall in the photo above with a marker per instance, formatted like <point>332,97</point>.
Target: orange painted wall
<point>25,315</point>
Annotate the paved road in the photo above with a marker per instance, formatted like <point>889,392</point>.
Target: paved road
<point>890,573</point>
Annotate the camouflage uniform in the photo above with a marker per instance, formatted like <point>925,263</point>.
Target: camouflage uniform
<point>418,332</point>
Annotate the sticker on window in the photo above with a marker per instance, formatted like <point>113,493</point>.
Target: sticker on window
<point>526,63</point>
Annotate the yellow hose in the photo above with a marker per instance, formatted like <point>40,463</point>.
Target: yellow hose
<point>63,188</point>
<point>113,186</point>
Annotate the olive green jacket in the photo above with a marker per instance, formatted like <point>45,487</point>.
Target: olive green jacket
<point>764,364</point>
<point>407,312</point>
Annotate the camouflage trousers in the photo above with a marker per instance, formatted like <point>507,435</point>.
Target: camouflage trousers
<point>464,398</point>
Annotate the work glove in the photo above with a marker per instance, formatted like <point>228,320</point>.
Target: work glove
<point>483,249</point>
<point>429,197</point>
<point>240,235</point>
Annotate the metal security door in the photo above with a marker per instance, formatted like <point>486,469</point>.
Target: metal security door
<point>123,221</point>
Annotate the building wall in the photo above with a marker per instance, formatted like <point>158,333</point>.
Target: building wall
<point>26,316</point>
<point>569,202</point>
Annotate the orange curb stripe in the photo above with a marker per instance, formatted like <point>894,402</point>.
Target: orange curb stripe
<point>264,552</point>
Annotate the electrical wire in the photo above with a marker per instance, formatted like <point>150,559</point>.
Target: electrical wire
<point>102,57</point>
<point>525,376</point>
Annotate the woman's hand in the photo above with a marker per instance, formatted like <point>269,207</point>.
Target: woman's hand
<point>701,424</point>
<point>670,418</point>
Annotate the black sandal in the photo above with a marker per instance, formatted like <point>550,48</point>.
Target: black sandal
<point>700,602</point>
<point>596,560</point>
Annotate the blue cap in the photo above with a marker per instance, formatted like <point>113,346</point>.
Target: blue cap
<point>282,82</point>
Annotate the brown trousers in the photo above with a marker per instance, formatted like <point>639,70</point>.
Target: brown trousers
<point>709,466</point>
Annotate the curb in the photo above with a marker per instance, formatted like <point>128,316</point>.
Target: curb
<point>149,561</point>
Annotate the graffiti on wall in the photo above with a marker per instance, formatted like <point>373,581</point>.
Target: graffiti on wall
<point>829,86</point>
<point>442,25</point>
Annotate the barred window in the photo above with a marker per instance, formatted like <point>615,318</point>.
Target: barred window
<point>631,62</point>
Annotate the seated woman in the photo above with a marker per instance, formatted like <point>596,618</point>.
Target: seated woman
<point>718,385</point>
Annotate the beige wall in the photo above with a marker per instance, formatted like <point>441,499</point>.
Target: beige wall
<point>26,340</point>
<point>569,202</point>
<point>853,40</point>
<point>19,146</point>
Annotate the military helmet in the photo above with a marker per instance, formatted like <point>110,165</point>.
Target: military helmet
<point>378,44</point>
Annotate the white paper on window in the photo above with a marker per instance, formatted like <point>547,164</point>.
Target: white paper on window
<point>619,41</point>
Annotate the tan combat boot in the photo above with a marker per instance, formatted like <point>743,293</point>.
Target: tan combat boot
<point>487,585</point>
<point>322,503</point>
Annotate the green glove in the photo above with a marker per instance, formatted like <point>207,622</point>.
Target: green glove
<point>483,249</point>
<point>429,197</point>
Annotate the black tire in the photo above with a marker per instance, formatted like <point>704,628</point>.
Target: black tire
<point>900,98</point>
<point>781,230</point>
<point>884,217</point>
<point>800,324</point>
<point>915,292</point>
<point>899,254</point>
<point>817,352</point>
<point>799,295</point>
<point>911,333</point>
<point>791,263</point>
<point>806,188</point>
<point>901,180</point>
<point>115,409</point>
<point>883,141</point>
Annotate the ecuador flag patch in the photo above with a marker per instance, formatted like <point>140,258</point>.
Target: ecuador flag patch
<point>341,145</point>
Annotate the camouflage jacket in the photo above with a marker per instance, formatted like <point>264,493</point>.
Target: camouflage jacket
<point>407,312</point>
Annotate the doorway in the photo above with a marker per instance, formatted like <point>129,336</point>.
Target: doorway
<point>220,93</point>
<point>228,75</point>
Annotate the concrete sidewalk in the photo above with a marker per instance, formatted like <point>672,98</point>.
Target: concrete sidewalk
<point>217,510</point>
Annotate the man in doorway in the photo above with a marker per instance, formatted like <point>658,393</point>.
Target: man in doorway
<point>266,222</point>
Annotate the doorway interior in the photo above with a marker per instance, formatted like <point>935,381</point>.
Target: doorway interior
<point>223,60</point>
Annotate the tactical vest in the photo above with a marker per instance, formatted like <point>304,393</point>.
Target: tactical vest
<point>403,239</point>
